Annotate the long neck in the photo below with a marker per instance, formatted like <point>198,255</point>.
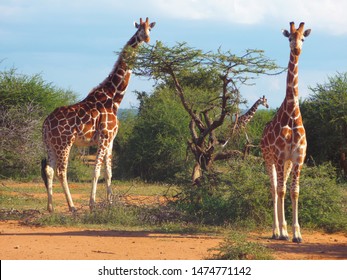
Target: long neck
<point>292,93</point>
<point>246,117</point>
<point>116,83</point>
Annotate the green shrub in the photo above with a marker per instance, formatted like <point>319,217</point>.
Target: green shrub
<point>322,201</point>
<point>236,247</point>
<point>25,101</point>
<point>242,198</point>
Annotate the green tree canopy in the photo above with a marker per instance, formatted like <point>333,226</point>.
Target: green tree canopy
<point>325,119</point>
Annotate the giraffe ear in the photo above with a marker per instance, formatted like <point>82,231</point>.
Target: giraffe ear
<point>136,25</point>
<point>152,25</point>
<point>285,33</point>
<point>307,32</point>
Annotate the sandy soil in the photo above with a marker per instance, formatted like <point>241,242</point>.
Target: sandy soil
<point>57,243</point>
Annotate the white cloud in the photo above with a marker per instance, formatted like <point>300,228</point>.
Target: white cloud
<point>326,15</point>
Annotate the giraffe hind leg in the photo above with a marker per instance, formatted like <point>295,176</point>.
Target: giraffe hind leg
<point>108,173</point>
<point>43,172</point>
<point>98,163</point>
<point>47,173</point>
<point>62,175</point>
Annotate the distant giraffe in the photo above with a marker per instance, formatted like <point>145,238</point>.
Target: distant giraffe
<point>92,121</point>
<point>243,120</point>
<point>284,142</point>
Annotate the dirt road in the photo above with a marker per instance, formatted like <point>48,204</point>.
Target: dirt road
<point>56,243</point>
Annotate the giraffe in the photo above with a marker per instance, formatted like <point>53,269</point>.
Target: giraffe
<point>243,120</point>
<point>284,144</point>
<point>93,121</point>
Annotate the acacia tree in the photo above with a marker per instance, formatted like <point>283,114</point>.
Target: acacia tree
<point>177,65</point>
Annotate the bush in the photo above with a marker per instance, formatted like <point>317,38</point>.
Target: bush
<point>155,149</point>
<point>24,102</point>
<point>322,201</point>
<point>236,247</point>
<point>242,197</point>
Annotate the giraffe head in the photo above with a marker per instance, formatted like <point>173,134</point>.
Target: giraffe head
<point>143,30</point>
<point>263,101</point>
<point>296,37</point>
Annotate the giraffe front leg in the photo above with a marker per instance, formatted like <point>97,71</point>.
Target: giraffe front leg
<point>273,180</point>
<point>281,193</point>
<point>294,195</point>
<point>108,173</point>
<point>275,225</point>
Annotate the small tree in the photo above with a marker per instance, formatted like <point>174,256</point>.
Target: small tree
<point>177,65</point>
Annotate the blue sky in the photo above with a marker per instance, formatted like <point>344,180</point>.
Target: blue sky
<point>72,43</point>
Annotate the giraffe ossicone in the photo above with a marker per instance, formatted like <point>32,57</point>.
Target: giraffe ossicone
<point>93,121</point>
<point>284,144</point>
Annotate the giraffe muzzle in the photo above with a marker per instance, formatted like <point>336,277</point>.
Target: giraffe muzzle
<point>297,51</point>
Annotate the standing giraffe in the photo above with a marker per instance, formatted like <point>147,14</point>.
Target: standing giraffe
<point>284,143</point>
<point>242,121</point>
<point>92,121</point>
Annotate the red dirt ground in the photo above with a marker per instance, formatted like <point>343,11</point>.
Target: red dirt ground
<point>19,242</point>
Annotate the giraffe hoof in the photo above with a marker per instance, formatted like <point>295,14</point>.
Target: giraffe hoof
<point>284,238</point>
<point>297,239</point>
<point>275,236</point>
<point>91,207</point>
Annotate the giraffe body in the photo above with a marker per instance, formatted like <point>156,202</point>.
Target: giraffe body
<point>284,143</point>
<point>92,121</point>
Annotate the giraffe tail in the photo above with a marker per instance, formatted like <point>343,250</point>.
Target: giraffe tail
<point>43,172</point>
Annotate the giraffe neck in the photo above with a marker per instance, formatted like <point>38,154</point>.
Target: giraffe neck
<point>116,83</point>
<point>292,93</point>
<point>246,117</point>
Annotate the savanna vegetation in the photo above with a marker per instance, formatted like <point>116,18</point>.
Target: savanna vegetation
<point>171,147</point>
